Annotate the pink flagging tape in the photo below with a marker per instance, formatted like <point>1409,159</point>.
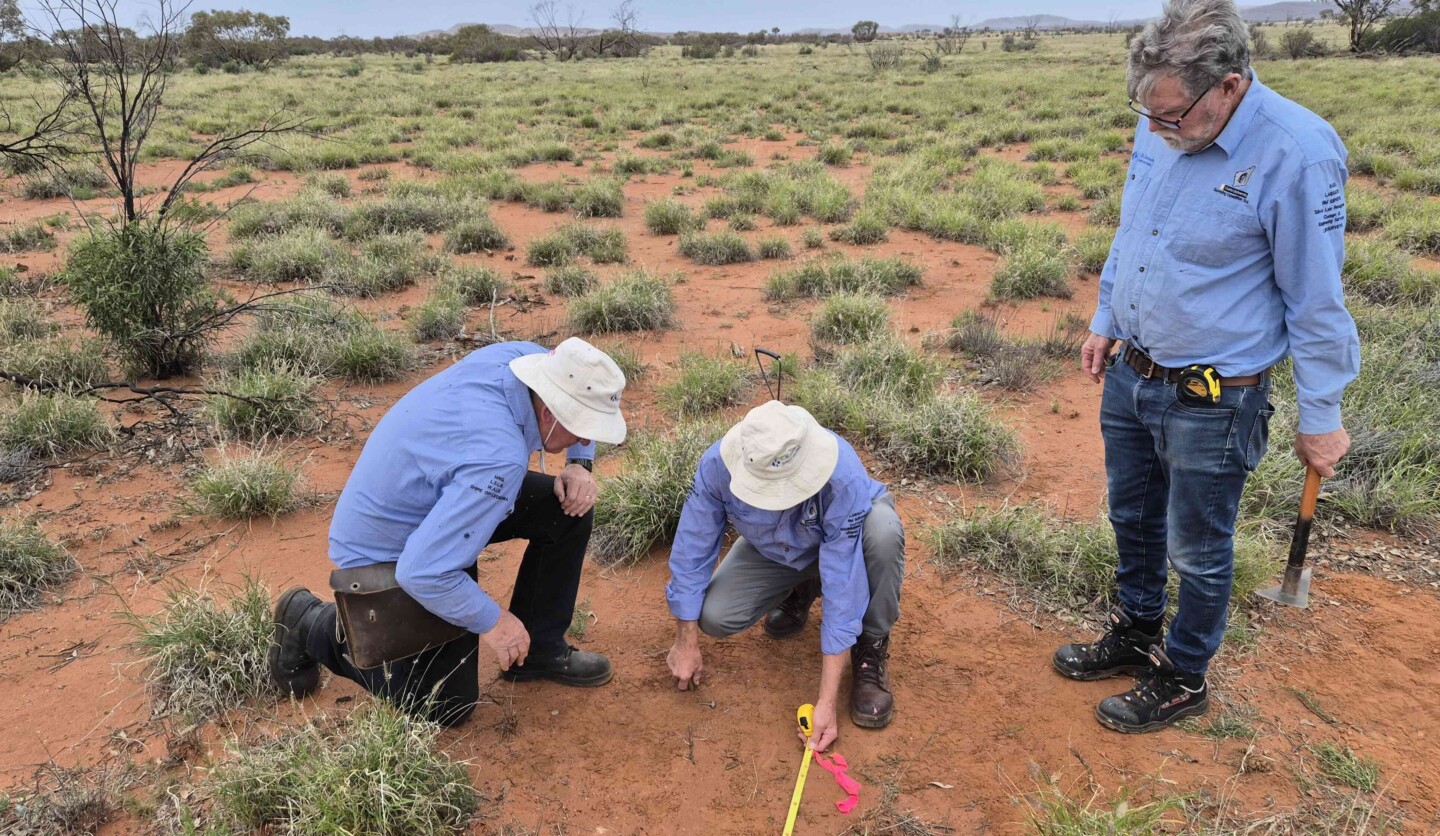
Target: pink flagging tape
<point>836,765</point>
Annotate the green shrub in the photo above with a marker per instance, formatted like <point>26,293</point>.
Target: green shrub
<point>571,280</point>
<point>827,277</point>
<point>636,301</point>
<point>704,384</point>
<point>30,564</point>
<point>475,285</point>
<point>600,198</point>
<point>639,507</point>
<point>300,254</point>
<point>265,402</point>
<point>849,318</point>
<point>205,653</point>
<point>671,217</point>
<point>249,485</point>
<point>474,235</point>
<point>719,248</point>
<point>381,771</point>
<point>144,287</point>
<point>51,424</point>
<point>1030,271</point>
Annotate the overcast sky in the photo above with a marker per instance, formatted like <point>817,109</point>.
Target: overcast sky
<point>366,18</point>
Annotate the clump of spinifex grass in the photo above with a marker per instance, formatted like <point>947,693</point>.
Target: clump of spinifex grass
<point>51,424</point>
<point>1092,249</point>
<point>705,384</point>
<point>887,364</point>
<point>826,277</point>
<point>30,564</point>
<point>206,650</point>
<point>1067,564</point>
<point>671,217</point>
<point>1052,813</point>
<point>773,247</point>
<point>569,242</point>
<point>23,320</point>
<point>850,318</point>
<point>387,262</point>
<point>719,248</point>
<point>600,198</point>
<point>440,317</point>
<point>249,485</point>
<point>571,280</point>
<point>476,234</point>
<point>637,301</point>
<point>379,771</point>
<point>954,435</point>
<point>1015,364</point>
<point>639,507</point>
<point>1343,765</point>
<point>309,331</point>
<point>58,361</point>
<point>1386,275</point>
<point>474,285</point>
<point>27,238</point>
<point>265,401</point>
<point>1030,270</point>
<point>300,254</point>
<point>866,228</point>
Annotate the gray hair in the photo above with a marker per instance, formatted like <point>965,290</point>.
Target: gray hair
<point>1197,41</point>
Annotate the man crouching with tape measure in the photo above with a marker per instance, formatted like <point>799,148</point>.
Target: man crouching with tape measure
<point>812,523</point>
<point>445,473</point>
<point>1227,260</point>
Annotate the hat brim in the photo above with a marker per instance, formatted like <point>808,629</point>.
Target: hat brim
<point>573,415</point>
<point>816,468</point>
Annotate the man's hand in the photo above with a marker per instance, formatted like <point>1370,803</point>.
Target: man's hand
<point>576,489</point>
<point>1322,451</point>
<point>684,656</point>
<point>826,727</point>
<point>509,639</point>
<point>1093,354</point>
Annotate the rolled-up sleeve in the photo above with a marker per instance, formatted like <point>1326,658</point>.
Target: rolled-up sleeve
<point>696,547</point>
<point>1306,224</point>
<point>843,581</point>
<point>432,566</point>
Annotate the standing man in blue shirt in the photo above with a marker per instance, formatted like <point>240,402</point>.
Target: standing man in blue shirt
<point>812,523</point>
<point>445,473</point>
<point>1227,261</point>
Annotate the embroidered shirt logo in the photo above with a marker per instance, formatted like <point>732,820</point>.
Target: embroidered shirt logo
<point>1242,178</point>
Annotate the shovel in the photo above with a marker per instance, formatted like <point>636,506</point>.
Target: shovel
<point>1294,591</point>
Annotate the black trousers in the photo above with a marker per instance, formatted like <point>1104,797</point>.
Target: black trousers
<point>443,684</point>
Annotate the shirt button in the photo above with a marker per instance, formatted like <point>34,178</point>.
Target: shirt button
<point>1142,269</point>
<point>1132,307</point>
<point>1154,232</point>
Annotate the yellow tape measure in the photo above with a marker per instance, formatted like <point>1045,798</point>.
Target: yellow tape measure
<point>805,717</point>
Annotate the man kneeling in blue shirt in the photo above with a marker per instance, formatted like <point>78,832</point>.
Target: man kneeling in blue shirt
<point>445,473</point>
<point>811,522</point>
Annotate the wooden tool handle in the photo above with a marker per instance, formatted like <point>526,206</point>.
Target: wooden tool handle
<point>1310,494</point>
<point>1300,541</point>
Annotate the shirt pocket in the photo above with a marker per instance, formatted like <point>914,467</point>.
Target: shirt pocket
<point>1214,237</point>
<point>1132,197</point>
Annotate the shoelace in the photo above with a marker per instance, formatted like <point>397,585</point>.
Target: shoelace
<point>1105,644</point>
<point>871,664</point>
<point>1147,688</point>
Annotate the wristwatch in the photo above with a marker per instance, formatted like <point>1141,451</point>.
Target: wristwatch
<point>588,464</point>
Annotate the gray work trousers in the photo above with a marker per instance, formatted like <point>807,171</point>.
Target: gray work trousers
<point>747,585</point>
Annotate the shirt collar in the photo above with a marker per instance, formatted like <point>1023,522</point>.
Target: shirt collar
<point>1230,138</point>
<point>517,397</point>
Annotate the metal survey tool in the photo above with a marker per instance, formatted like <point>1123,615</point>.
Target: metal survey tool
<point>1294,591</point>
<point>777,365</point>
<point>805,716</point>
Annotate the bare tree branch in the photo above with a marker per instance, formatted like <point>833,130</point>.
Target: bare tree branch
<point>552,35</point>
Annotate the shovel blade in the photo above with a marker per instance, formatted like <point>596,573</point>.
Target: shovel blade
<point>1294,592</point>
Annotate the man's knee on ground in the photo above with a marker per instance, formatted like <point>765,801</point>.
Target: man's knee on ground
<point>715,624</point>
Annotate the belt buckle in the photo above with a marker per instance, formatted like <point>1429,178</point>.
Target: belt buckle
<point>1149,373</point>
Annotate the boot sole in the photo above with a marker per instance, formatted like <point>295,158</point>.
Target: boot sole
<point>1108,673</point>
<point>868,722</point>
<point>287,682</point>
<point>1192,711</point>
<point>573,682</point>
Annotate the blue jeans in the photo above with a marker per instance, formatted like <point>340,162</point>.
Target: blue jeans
<point>1175,473</point>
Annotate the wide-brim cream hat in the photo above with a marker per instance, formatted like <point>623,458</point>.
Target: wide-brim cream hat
<point>778,456</point>
<point>581,385</point>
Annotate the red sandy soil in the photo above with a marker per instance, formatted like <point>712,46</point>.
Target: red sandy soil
<point>982,720</point>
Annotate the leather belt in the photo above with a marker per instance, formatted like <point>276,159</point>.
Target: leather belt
<point>1147,368</point>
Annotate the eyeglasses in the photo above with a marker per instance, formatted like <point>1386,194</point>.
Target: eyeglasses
<point>1172,124</point>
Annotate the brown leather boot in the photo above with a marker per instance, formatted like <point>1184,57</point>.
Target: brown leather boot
<point>788,619</point>
<point>871,703</point>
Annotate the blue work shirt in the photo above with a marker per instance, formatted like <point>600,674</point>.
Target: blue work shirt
<point>1231,256</point>
<point>826,527</point>
<point>439,473</point>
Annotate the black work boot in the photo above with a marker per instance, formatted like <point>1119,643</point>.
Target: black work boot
<point>294,671</point>
<point>1162,696</point>
<point>570,666</point>
<point>787,620</point>
<point>1121,650</point>
<point>871,703</point>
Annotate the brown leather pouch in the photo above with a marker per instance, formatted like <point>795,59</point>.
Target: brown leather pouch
<point>382,622</point>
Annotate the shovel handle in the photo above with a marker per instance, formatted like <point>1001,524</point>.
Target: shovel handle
<point>1300,542</point>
